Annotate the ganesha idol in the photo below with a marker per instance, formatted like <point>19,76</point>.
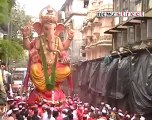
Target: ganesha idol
<point>49,65</point>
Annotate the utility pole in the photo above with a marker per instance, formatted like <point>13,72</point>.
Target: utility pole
<point>9,38</point>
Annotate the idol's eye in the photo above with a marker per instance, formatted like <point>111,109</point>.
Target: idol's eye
<point>1,109</point>
<point>46,28</point>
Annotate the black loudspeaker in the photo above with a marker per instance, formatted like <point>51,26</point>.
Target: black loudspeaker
<point>83,54</point>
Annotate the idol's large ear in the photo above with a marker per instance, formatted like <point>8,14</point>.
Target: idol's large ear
<point>59,28</point>
<point>38,27</point>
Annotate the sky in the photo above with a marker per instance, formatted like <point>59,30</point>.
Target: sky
<point>33,7</point>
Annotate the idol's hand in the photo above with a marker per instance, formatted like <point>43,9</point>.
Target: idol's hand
<point>25,31</point>
<point>70,34</point>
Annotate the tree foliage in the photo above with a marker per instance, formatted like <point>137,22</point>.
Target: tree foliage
<point>10,49</point>
<point>18,19</point>
<point>15,15</point>
<point>5,8</point>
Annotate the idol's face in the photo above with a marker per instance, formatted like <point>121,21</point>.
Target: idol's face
<point>49,29</point>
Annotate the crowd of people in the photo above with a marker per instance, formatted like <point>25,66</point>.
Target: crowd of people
<point>71,109</point>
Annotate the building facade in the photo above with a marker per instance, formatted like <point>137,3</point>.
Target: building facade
<point>73,13</point>
<point>96,43</point>
<point>131,33</point>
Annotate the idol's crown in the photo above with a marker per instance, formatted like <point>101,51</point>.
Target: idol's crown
<point>49,17</point>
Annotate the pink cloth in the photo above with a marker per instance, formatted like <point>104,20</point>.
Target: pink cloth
<point>59,117</point>
<point>35,96</point>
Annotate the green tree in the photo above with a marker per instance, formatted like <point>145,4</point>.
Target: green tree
<point>18,19</point>
<point>14,14</point>
<point>10,49</point>
<point>5,8</point>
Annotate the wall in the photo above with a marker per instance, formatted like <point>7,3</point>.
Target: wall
<point>97,44</point>
<point>77,41</point>
<point>77,7</point>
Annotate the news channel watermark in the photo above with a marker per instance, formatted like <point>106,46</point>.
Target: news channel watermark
<point>119,14</point>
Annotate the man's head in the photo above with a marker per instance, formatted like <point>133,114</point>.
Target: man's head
<point>3,66</point>
<point>2,110</point>
<point>2,104</point>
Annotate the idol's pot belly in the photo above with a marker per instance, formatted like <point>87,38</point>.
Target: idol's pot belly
<point>38,79</point>
<point>62,72</point>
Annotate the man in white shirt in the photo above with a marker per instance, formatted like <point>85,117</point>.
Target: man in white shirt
<point>44,115</point>
<point>5,75</point>
<point>48,115</point>
<point>75,117</point>
<point>2,88</point>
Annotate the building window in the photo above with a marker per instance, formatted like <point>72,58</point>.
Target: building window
<point>145,5</point>
<point>131,35</point>
<point>86,3</point>
<point>137,33</point>
<point>137,1</point>
<point>144,30</point>
<point>83,54</point>
<point>117,5</point>
<point>149,28</point>
<point>118,44</point>
<point>114,40</point>
<point>124,38</point>
<point>138,5</point>
<point>83,47</point>
<point>132,5</point>
<point>125,5</point>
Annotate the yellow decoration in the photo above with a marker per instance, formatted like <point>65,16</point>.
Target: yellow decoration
<point>37,75</point>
